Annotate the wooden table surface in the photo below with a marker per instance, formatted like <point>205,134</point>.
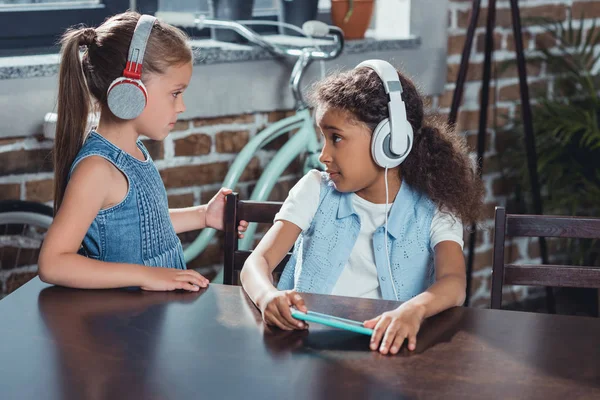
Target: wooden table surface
<point>58,343</point>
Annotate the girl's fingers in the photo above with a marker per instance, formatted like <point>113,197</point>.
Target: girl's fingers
<point>271,320</point>
<point>298,302</point>
<point>188,286</point>
<point>372,322</point>
<point>378,332</point>
<point>412,342</point>
<point>397,343</point>
<point>392,330</point>
<point>286,314</point>
<point>197,276</point>
<point>195,279</point>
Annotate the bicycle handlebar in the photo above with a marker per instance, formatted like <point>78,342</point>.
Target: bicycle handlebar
<point>190,20</point>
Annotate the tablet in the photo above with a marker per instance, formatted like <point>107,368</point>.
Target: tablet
<point>330,320</point>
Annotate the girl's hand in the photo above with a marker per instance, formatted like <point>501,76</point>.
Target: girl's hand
<point>215,213</point>
<point>165,279</point>
<point>275,309</point>
<point>398,325</point>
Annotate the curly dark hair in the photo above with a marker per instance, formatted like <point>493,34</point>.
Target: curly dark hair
<point>438,164</point>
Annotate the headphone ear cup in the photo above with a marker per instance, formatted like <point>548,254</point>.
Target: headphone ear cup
<point>380,146</point>
<point>127,98</point>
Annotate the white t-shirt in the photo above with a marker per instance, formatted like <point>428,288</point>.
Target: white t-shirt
<point>359,277</point>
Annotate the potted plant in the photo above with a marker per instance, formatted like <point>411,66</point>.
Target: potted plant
<point>297,12</point>
<point>352,16</point>
<point>567,134</point>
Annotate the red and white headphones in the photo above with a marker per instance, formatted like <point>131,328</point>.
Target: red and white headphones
<point>127,95</point>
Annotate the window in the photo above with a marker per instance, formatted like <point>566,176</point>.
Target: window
<point>263,10</point>
<point>36,25</point>
<point>261,7</point>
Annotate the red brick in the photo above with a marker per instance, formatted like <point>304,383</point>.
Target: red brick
<point>281,190</point>
<point>14,257</point>
<point>480,45</point>
<point>181,200</point>
<point>492,164</point>
<point>236,119</point>
<point>181,126</point>
<point>445,99</point>
<point>41,191</point>
<point>155,148</point>
<point>469,120</point>
<point>478,282</point>
<point>25,161</point>
<point>194,175</point>
<point>475,70</point>
<point>10,191</point>
<point>513,92</point>
<point>533,68</point>
<point>481,302</point>
<point>482,260</point>
<point>213,254</point>
<point>545,40</point>
<point>252,171</point>
<point>504,17</point>
<point>488,208</point>
<point>511,254</point>
<point>589,9</point>
<point>503,187</point>
<point>278,115</point>
<point>456,44</point>
<point>510,41</point>
<point>17,280</point>
<point>472,141</point>
<point>279,142</point>
<point>534,248</point>
<point>193,145</point>
<point>491,95</point>
<point>231,141</point>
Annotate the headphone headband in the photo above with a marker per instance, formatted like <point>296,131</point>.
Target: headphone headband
<point>137,48</point>
<point>397,110</point>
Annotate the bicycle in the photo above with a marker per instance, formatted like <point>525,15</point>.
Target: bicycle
<point>23,226</point>
<point>305,140</point>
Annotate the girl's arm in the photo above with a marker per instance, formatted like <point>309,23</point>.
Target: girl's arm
<point>59,263</point>
<point>209,215</point>
<point>188,219</point>
<point>256,277</point>
<point>448,291</point>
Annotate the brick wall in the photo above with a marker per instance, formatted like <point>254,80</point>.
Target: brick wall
<point>194,159</point>
<point>504,102</point>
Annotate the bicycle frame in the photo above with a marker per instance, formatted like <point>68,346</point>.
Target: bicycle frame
<point>305,140</point>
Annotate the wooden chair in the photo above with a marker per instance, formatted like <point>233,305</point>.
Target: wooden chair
<point>251,211</point>
<point>513,225</point>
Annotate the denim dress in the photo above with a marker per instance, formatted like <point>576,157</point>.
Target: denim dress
<point>138,230</point>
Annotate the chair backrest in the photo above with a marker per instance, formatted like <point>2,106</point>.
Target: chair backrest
<point>513,225</point>
<point>252,211</point>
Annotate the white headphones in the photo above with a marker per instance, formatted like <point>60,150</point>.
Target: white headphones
<point>393,138</point>
<point>127,95</point>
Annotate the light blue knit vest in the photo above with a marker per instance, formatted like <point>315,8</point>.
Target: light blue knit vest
<point>322,251</point>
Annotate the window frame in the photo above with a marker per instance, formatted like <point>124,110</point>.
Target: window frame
<point>41,27</point>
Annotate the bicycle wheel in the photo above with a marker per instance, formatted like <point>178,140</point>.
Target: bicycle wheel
<point>23,226</point>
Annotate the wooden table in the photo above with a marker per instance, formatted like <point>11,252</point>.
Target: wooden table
<point>58,343</point>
